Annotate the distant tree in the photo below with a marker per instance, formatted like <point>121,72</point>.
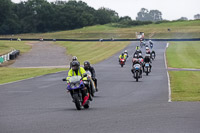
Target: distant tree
<point>143,15</point>
<point>42,16</point>
<point>197,16</point>
<point>125,18</point>
<point>155,15</point>
<point>183,18</point>
<point>105,15</point>
<point>152,15</point>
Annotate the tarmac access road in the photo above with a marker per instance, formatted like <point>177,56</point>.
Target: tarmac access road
<point>42,105</point>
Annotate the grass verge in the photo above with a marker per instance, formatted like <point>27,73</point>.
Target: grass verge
<point>179,29</point>
<point>7,46</point>
<point>183,54</point>
<point>15,74</point>
<point>93,51</point>
<point>185,85</point>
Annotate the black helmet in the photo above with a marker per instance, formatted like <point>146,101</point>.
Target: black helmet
<point>75,65</point>
<point>122,54</point>
<point>86,65</point>
<point>74,58</point>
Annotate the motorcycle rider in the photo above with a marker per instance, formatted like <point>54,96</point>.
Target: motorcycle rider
<point>147,59</point>
<point>122,57</point>
<point>153,52</point>
<point>151,44</point>
<point>74,58</point>
<point>76,70</point>
<point>136,62</point>
<point>140,57</point>
<point>137,48</point>
<point>126,53</point>
<point>88,67</point>
<point>148,50</point>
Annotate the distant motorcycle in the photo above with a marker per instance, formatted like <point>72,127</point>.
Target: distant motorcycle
<point>151,45</point>
<point>147,68</point>
<point>75,86</point>
<point>153,56</point>
<point>122,62</point>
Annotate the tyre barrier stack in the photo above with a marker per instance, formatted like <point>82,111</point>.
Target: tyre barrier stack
<point>14,54</point>
<point>10,56</point>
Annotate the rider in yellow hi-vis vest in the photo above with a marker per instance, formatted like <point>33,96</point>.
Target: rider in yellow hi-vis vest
<point>76,70</point>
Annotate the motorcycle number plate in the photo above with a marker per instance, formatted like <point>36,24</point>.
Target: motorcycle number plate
<point>147,65</point>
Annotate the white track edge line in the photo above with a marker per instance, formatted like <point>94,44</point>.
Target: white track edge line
<point>168,78</point>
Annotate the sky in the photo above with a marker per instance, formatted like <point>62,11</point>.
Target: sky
<point>171,9</point>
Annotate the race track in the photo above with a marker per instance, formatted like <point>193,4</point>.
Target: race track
<point>41,105</point>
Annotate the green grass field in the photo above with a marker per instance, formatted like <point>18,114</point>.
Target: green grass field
<point>184,54</point>
<point>185,85</point>
<point>15,74</point>
<point>93,51</point>
<point>179,29</point>
<point>7,46</point>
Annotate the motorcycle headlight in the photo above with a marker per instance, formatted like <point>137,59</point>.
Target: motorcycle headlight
<point>77,84</point>
<point>72,86</point>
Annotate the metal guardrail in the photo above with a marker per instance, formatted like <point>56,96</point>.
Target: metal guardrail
<point>94,40</point>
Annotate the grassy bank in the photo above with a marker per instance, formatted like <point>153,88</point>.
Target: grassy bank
<point>7,46</point>
<point>185,85</point>
<point>183,54</point>
<point>179,29</point>
<point>15,74</point>
<point>93,51</point>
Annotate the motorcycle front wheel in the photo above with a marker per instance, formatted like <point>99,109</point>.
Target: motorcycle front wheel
<point>77,101</point>
<point>136,76</point>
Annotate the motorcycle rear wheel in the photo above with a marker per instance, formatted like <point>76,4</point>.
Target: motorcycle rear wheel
<point>86,106</point>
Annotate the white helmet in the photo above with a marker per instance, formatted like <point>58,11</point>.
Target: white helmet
<point>74,58</point>
<point>125,51</point>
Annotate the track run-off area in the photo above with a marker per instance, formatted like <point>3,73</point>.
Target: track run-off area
<point>122,105</point>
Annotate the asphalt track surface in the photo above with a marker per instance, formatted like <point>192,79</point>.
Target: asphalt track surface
<point>43,54</point>
<point>41,105</point>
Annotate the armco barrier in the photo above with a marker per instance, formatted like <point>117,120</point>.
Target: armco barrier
<point>94,40</point>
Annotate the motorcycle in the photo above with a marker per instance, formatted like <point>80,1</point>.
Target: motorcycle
<point>136,72</point>
<point>89,83</point>
<point>75,86</point>
<point>152,56</point>
<point>151,46</point>
<point>122,62</point>
<point>147,68</point>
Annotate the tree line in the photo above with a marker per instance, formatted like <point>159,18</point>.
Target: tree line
<point>37,16</point>
<point>41,16</point>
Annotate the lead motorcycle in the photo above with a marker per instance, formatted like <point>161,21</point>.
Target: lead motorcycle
<point>76,86</point>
